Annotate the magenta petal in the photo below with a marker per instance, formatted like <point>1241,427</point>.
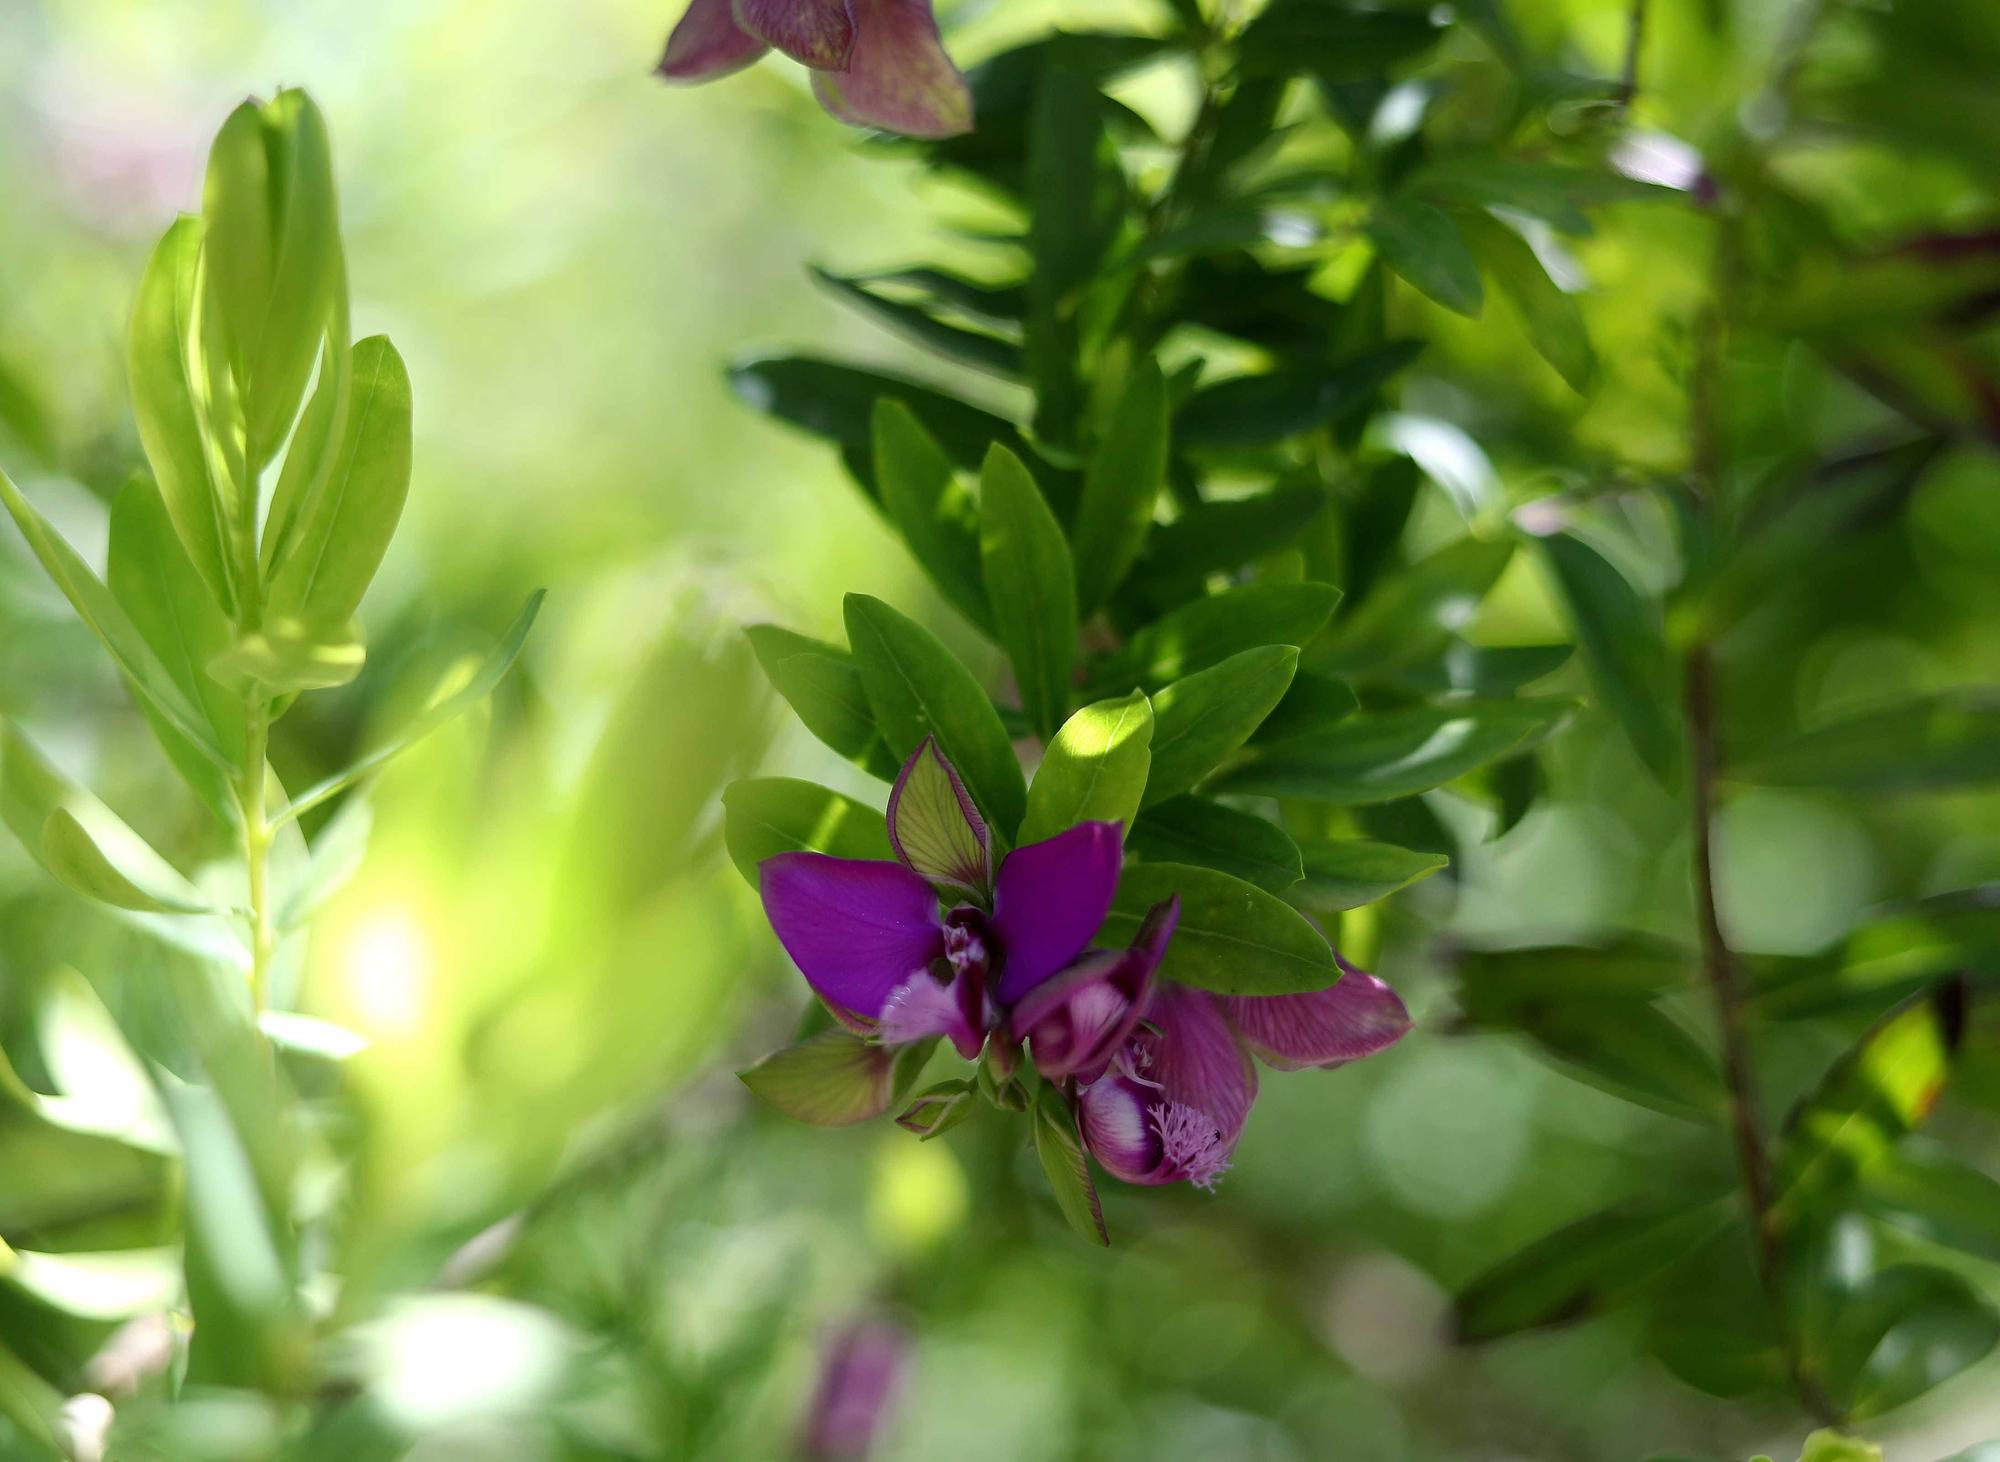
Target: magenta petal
<point>1050,899</point>
<point>1344,1022</point>
<point>1196,1058</point>
<point>1081,1018</point>
<point>898,77</point>
<point>923,1006</point>
<point>817,33</point>
<point>708,43</point>
<point>855,928</point>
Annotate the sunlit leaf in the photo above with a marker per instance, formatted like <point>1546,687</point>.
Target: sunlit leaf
<point>109,1285</point>
<point>765,816</point>
<point>1232,937</point>
<point>289,655</point>
<point>1095,769</point>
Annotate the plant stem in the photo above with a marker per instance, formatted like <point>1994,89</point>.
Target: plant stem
<point>257,833</point>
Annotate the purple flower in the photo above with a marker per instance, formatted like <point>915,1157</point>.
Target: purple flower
<point>861,1369</point>
<point>875,63</point>
<point>1172,1100</point>
<point>893,961</point>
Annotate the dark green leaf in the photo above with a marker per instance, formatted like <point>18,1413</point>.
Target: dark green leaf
<point>1226,534</point>
<point>1335,43</point>
<point>1629,1048</point>
<point>1938,1199</point>
<point>1482,670</point>
<point>1202,718</point>
<point>1210,835</point>
<point>918,688</point>
<point>1945,741</point>
<point>1121,485</point>
<point>1554,323</point>
<point>1232,937</point>
<point>1905,1330</point>
<point>765,816</point>
<point>1347,873</point>
<point>1381,755</point>
<point>1630,969</point>
<point>1314,703</point>
<point>955,342</point>
<point>1030,586</point>
<point>1588,1266</point>
<point>1208,630</point>
<point>1251,410</point>
<point>1421,242</point>
<point>1094,770</point>
<point>1414,614</point>
<point>1625,646</point>
<point>937,517</point>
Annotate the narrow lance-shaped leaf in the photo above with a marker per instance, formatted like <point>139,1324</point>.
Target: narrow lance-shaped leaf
<point>478,682</point>
<point>938,518</point>
<point>1030,586</point>
<point>148,573</point>
<point>1414,613</point>
<point>975,348</point>
<point>102,614</point>
<point>1232,937</point>
<point>1248,411</point>
<point>345,528</point>
<point>1421,242</point>
<point>820,682</point>
<point>1120,486</point>
<point>159,368</point>
<point>918,688</point>
<point>1095,769</point>
<point>1554,323</point>
<point>1201,719</point>
<point>289,655</point>
<point>1625,646</point>
<point>1060,1148</point>
<point>73,855</point>
<point>1213,627</point>
<point>1349,872</point>
<point>1933,744</point>
<point>765,816</point>
<point>1381,756</point>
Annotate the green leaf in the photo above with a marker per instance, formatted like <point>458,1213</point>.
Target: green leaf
<point>1881,1090</point>
<point>33,1406</point>
<point>160,369</point>
<point>1335,43</point>
<point>937,517</point>
<point>1415,613</point>
<point>1060,1148</point>
<point>289,655</point>
<point>334,858</point>
<point>1210,629</point>
<point>465,687</point>
<point>833,1079</point>
<point>1314,703</point>
<point>1120,486</point>
<point>148,573</point>
<point>106,619</point>
<point>104,1089</point>
<point>836,401</point>
<point>273,255</point>
<point>1902,1332</point>
<point>1554,323</point>
<point>1588,1266</point>
<point>1345,874</point>
<point>1215,536</point>
<point>344,529</point>
<point>937,1109</point>
<point>1210,835</point>
<point>1095,769</point>
<point>820,683</point>
<point>1030,586</point>
<point>765,816</point>
<point>918,688</point>
<point>931,832</point>
<point>1421,242</point>
<point>1625,647</point>
<point>1632,969</point>
<point>73,856</point>
<point>1935,744</point>
<point>1629,1048</point>
<point>1232,938</point>
<point>100,852</point>
<point>1379,756</point>
<point>969,347</point>
<point>1202,718</point>
<point>1493,671</point>
<point>1828,1445</point>
<point>1942,1201</point>
<point>109,1285</point>
<point>315,448</point>
<point>1249,411</point>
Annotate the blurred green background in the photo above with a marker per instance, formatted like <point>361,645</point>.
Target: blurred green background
<point>558,973</point>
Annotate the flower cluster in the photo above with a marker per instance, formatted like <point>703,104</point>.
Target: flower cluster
<point>993,953</point>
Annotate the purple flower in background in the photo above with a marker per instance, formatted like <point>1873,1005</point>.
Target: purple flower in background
<point>861,1367</point>
<point>1172,1101</point>
<point>875,63</point>
<point>891,961</point>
